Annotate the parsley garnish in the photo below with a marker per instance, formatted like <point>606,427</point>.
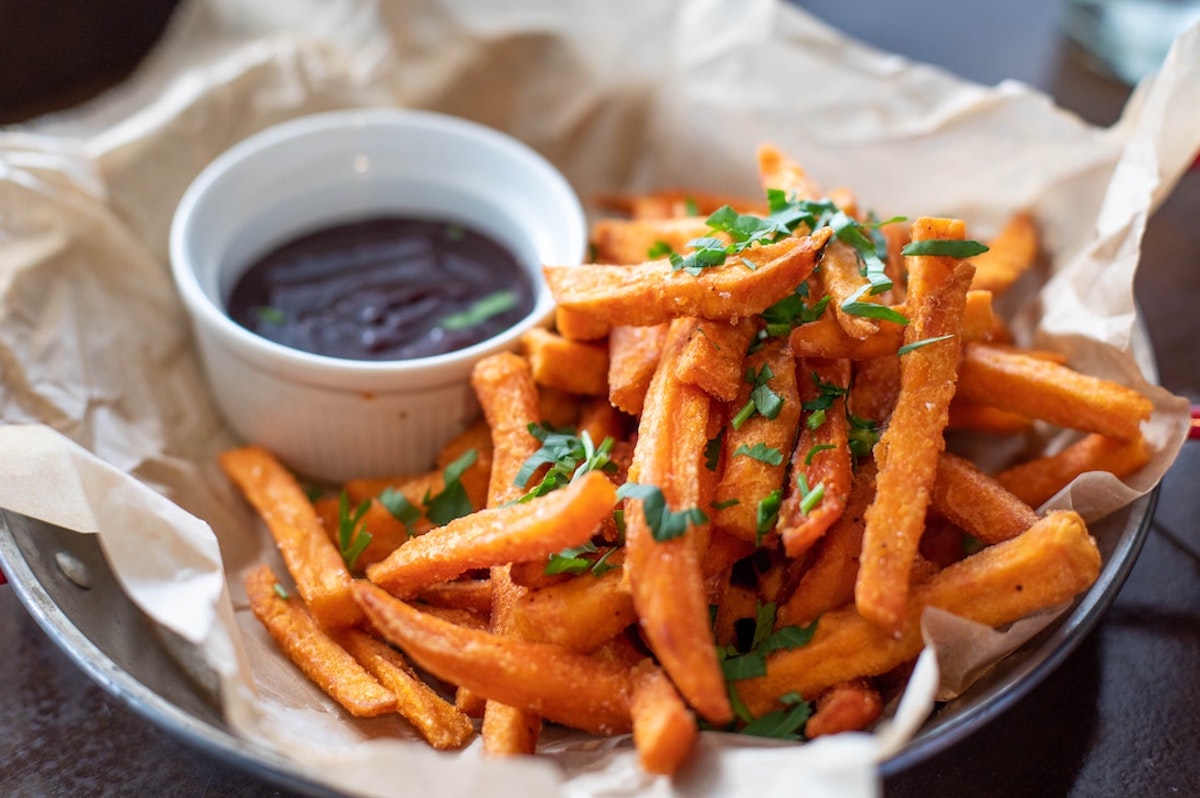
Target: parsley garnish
<point>782,724</point>
<point>270,314</point>
<point>761,452</point>
<point>712,450</point>
<point>948,247</point>
<point>401,508</point>
<point>763,399</point>
<point>452,502</point>
<point>924,341</point>
<point>753,663</point>
<point>658,250</point>
<point>809,497</point>
<point>816,407</point>
<point>491,305</point>
<point>353,538</point>
<point>863,435</point>
<point>569,456</point>
<point>792,311</point>
<point>814,451</point>
<point>281,591</point>
<point>572,561</point>
<point>665,524</point>
<point>766,515</point>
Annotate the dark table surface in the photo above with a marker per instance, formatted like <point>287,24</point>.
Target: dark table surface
<point>1117,718</point>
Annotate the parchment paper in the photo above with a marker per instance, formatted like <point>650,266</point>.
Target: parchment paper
<point>108,427</point>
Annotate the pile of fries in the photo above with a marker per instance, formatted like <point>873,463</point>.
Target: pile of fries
<point>718,494</point>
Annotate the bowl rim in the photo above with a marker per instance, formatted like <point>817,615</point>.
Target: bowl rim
<point>213,318</point>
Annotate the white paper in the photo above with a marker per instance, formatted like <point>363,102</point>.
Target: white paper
<point>110,428</point>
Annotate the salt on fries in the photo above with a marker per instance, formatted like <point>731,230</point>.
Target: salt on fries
<point>718,494</point>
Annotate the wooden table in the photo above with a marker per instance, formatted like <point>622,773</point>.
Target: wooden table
<point>1117,718</point>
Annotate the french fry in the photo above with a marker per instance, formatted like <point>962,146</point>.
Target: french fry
<point>675,203</point>
<point>1010,254</point>
<point>908,450</point>
<point>317,654</point>
<point>316,566</point>
<point>579,326</point>
<point>443,726</point>
<point>714,357</point>
<point>654,292</point>
<point>464,594</point>
<point>664,729</point>
<point>577,367</point>
<point>561,685</point>
<point>848,706</point>
<point>581,613</point>
<point>627,242</point>
<point>1035,481</point>
<point>977,502</point>
<point>841,279</point>
<point>827,581</point>
<point>1051,562</point>
<point>633,355</point>
<point>777,170</point>
<point>971,415</point>
<point>821,476</point>
<point>1039,388</point>
<point>664,575</point>
<point>513,533</point>
<point>756,450</point>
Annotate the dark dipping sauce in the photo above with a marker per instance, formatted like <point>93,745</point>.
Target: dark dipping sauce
<point>385,288</point>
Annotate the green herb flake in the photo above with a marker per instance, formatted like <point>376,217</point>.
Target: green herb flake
<point>568,456</point>
<point>814,451</point>
<point>488,307</point>
<point>281,591</point>
<point>760,452</point>
<point>763,399</point>
<point>452,502</point>
<point>863,435</point>
<point>400,507</point>
<point>712,450</point>
<point>782,724</point>
<point>950,248</point>
<point>659,250</point>
<point>353,538</point>
<point>904,350</point>
<point>665,524</point>
<point>270,314</point>
<point>766,514</point>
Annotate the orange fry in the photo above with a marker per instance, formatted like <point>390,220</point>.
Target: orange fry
<point>1053,561</point>
<point>777,170</point>
<point>654,291</point>
<point>508,396</point>
<point>664,729</point>
<point>443,726</point>
<point>581,613</point>
<point>978,503</point>
<point>841,278</point>
<point>714,356</point>
<point>550,681</point>
<point>577,367</point>
<point>664,575</point>
<point>626,242</point>
<point>321,659</point>
<point>1042,389</point>
<point>1035,481</point>
<point>821,460</point>
<point>633,354</point>
<point>908,450</point>
<point>1009,255</point>
<point>849,706</point>
<point>316,566</point>
<point>512,533</point>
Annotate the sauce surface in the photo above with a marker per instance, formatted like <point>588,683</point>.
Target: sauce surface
<point>384,288</point>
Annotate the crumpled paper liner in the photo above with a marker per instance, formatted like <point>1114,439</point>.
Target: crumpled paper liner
<point>109,428</point>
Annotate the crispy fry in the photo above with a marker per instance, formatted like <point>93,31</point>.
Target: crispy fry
<point>577,367</point>
<point>1042,389</point>
<point>581,613</point>
<point>633,355</point>
<point>674,203</point>
<point>821,459</point>
<point>627,242</point>
<point>1053,561</point>
<point>841,279</point>
<point>323,661</point>
<point>547,680</point>
<point>907,452</point>
<point>714,357</point>
<point>316,567</point>
<point>433,716</point>
<point>476,437</point>
<point>465,594</point>
<point>664,729</point>
<point>512,533</point>
<point>848,706</point>
<point>508,396</point>
<point>664,575</point>
<point>967,414</point>
<point>1010,254</point>
<point>827,581</point>
<point>654,292</point>
<point>750,475</point>
<point>875,384</point>
<point>579,326</point>
<point>977,502</point>
<point>777,170</point>
<point>1035,481</point>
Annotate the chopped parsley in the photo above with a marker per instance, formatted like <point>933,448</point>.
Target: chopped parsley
<point>270,314</point>
<point>863,435</point>
<point>761,452</point>
<point>400,507</point>
<point>923,342</point>
<point>573,561</point>
<point>737,665</point>
<point>712,450</point>
<point>569,457</point>
<point>814,451</point>
<point>452,502</point>
<point>809,497</point>
<point>763,399</point>
<point>353,537</point>
<point>782,724</point>
<point>947,247</point>
<point>480,311</point>
<point>766,514</point>
<point>665,524</point>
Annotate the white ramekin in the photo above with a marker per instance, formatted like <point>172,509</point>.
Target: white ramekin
<point>331,418</point>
